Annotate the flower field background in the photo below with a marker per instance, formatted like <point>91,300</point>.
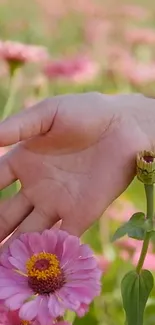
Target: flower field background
<point>50,47</point>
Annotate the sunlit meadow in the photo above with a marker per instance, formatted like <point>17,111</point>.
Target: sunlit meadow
<point>57,47</point>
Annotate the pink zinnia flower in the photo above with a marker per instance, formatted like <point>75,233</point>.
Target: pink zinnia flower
<point>15,52</point>
<point>140,36</point>
<point>78,70</point>
<point>42,275</point>
<point>8,317</point>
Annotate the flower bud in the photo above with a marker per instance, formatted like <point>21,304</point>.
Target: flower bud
<point>146,167</point>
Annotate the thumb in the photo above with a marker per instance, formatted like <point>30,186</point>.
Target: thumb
<point>35,120</point>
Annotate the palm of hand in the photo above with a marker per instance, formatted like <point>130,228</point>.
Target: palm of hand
<point>63,177</point>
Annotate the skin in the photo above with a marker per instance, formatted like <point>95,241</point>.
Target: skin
<point>73,155</point>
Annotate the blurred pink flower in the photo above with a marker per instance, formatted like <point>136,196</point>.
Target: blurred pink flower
<point>22,53</point>
<point>149,262</point>
<point>121,210</point>
<point>103,263</point>
<point>130,251</point>
<point>141,73</point>
<point>97,30</point>
<point>140,36</point>
<point>119,61</point>
<point>122,64</point>
<point>83,309</point>
<point>133,11</point>
<point>77,70</point>
<point>25,275</point>
<point>129,244</point>
<point>8,317</point>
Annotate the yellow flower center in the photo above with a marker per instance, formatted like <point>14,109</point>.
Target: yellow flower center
<point>25,322</point>
<point>43,265</point>
<point>44,273</point>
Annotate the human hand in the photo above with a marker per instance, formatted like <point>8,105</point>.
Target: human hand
<point>75,156</point>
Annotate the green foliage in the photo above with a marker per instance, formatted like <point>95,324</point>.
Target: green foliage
<point>135,228</point>
<point>136,289</point>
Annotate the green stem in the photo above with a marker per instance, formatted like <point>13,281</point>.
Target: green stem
<point>12,91</point>
<point>149,215</point>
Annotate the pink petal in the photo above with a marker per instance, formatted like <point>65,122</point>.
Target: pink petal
<point>19,250</point>
<point>49,240</point>
<point>35,242</point>
<point>9,291</point>
<point>4,259</point>
<point>61,236</point>
<point>30,309</point>
<point>82,310</point>
<point>4,272</point>
<point>55,307</point>
<point>24,238</point>
<point>8,276</point>
<point>6,282</point>
<point>44,316</point>
<point>16,301</point>
<point>68,300</point>
<point>82,274</point>
<point>93,285</point>
<point>85,251</point>
<point>70,249</point>
<point>19,265</point>
<point>82,264</point>
<point>83,294</point>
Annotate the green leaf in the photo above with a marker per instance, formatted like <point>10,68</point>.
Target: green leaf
<point>137,219</point>
<point>135,290</point>
<point>120,232</point>
<point>136,227</point>
<point>136,233</point>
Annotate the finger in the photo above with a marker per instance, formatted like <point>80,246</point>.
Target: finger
<point>12,213</point>
<point>7,175</point>
<point>34,222</point>
<point>74,226</point>
<point>33,121</point>
<point>37,222</point>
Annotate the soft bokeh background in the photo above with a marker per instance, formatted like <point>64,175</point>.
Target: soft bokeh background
<point>108,46</point>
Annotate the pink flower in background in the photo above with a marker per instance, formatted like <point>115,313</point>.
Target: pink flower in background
<point>119,61</point>
<point>142,73</point>
<point>42,275</point>
<point>140,36</point>
<point>121,210</point>
<point>149,262</point>
<point>22,53</point>
<point>97,30</point>
<point>130,251</point>
<point>7,317</point>
<point>129,244</point>
<point>78,70</point>
<point>103,263</point>
<point>133,11</point>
